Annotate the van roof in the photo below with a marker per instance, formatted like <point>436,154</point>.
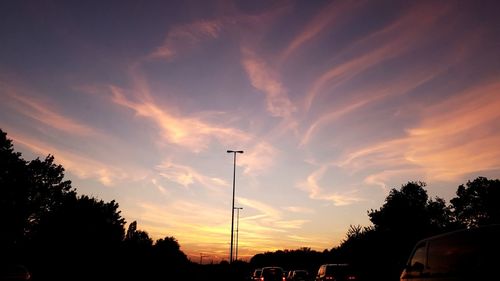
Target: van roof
<point>480,229</point>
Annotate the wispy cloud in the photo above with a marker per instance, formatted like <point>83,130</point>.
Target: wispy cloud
<point>269,218</point>
<point>298,209</point>
<point>312,186</point>
<point>333,14</point>
<point>458,136</point>
<point>81,165</point>
<point>391,41</point>
<point>160,187</point>
<point>189,132</point>
<point>264,79</point>
<point>258,159</point>
<point>398,85</point>
<point>187,176</point>
<point>455,137</point>
<point>41,111</point>
<point>186,37</point>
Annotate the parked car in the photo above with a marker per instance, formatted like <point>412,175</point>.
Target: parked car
<point>11,272</point>
<point>336,272</point>
<point>298,275</point>
<point>272,273</point>
<point>471,254</point>
<point>256,274</point>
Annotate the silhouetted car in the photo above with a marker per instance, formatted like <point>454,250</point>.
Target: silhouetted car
<point>471,254</point>
<point>11,272</point>
<point>298,275</point>
<point>272,273</point>
<point>336,272</point>
<point>256,274</point>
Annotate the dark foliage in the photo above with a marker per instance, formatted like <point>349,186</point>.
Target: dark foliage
<point>59,235</point>
<point>477,203</point>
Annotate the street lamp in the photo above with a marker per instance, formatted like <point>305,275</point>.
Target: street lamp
<point>237,230</point>
<point>201,257</point>
<point>232,208</point>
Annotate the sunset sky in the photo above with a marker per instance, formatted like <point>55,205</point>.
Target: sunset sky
<point>333,102</point>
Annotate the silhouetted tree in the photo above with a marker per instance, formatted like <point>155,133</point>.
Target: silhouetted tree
<point>138,254</point>
<point>477,203</point>
<point>47,225</point>
<point>169,259</point>
<point>168,250</point>
<point>137,239</point>
<point>29,190</point>
<point>403,209</point>
<point>406,217</point>
<point>14,196</point>
<point>131,230</point>
<point>81,235</point>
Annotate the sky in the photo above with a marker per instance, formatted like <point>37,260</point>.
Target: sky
<point>334,103</point>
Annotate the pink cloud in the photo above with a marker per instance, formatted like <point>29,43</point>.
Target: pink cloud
<point>392,41</point>
<point>185,37</point>
<point>189,132</point>
<point>186,176</point>
<point>356,100</point>
<point>333,14</point>
<point>19,99</point>
<point>80,165</point>
<point>454,138</point>
<point>312,186</point>
<point>258,158</point>
<point>264,79</point>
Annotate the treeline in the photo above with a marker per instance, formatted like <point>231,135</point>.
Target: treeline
<point>380,251</point>
<point>60,235</point>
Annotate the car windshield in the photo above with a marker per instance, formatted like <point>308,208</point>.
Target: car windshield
<point>272,272</point>
<point>300,273</point>
<point>341,269</point>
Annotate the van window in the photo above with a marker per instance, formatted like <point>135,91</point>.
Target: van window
<point>462,254</point>
<point>447,256</point>
<point>418,260</point>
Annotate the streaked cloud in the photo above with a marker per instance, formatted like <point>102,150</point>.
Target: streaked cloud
<point>189,132</point>
<point>458,136</point>
<point>396,39</point>
<point>312,186</point>
<point>20,99</point>
<point>454,138</point>
<point>160,187</point>
<point>298,209</point>
<point>82,166</point>
<point>258,159</point>
<point>266,80</point>
<point>356,100</point>
<point>185,37</point>
<point>333,14</point>
<point>264,209</point>
<point>187,176</point>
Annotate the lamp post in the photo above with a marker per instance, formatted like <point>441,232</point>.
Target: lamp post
<point>201,257</point>
<point>237,230</point>
<point>232,207</point>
